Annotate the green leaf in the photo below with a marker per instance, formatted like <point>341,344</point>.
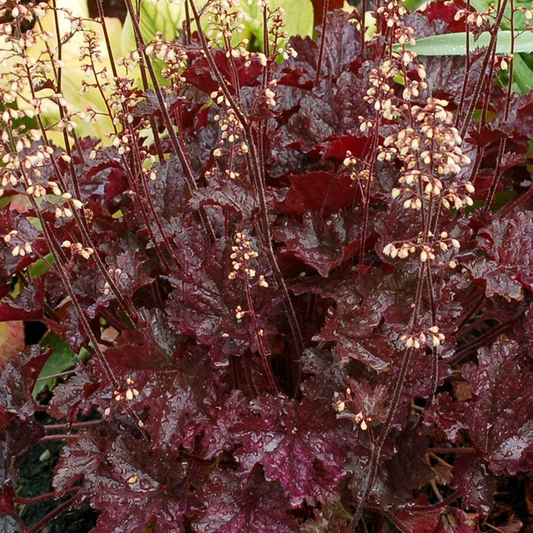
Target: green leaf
<point>454,44</point>
<point>413,5</point>
<point>481,6</point>
<point>163,17</point>
<point>41,266</point>
<point>299,18</point>
<point>522,75</point>
<point>62,359</point>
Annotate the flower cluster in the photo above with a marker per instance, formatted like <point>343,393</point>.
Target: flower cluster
<point>242,257</point>
<point>426,247</point>
<point>433,338</point>
<point>431,154</point>
<point>342,403</point>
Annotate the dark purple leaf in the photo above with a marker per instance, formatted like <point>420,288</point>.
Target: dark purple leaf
<point>204,304</point>
<point>372,402</point>
<point>507,243</point>
<point>321,243</point>
<point>516,123</point>
<point>132,491</point>
<point>74,397</point>
<point>131,485</point>
<point>407,471</point>
<point>137,351</point>
<point>17,380</point>
<point>500,416</point>
<point>448,415</point>
<point>176,417</point>
<point>80,458</point>
<point>225,413</point>
<point>447,75</point>
<point>15,440</point>
<point>235,196</point>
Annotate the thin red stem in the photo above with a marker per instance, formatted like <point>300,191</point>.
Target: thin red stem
<point>51,515</point>
<point>60,436</point>
<point>74,425</point>
<point>480,81</point>
<point>482,341</point>
<point>258,335</point>
<point>322,41</point>
<point>451,451</point>
<point>176,145</point>
<point>44,497</point>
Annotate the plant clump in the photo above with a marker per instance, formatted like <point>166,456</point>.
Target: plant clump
<point>286,285</point>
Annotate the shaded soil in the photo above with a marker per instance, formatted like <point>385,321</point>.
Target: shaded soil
<point>37,468</point>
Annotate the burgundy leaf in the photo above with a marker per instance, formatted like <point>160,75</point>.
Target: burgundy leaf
<point>136,351</point>
<point>28,305</point>
<point>225,413</point>
<point>131,485</point>
<point>176,417</point>
<point>80,458</point>
<point>337,146</point>
<point>15,440</point>
<point>74,397</point>
<point>476,484</point>
<point>321,243</point>
<point>232,195</point>
<point>254,507</point>
<point>447,76</point>
<point>448,415</point>
<point>297,445</point>
<point>7,500</point>
<point>444,11</point>
<point>372,402</point>
<point>407,471</point>
<point>17,380</point>
<point>516,123</point>
<point>136,490</point>
<point>355,324</point>
<point>322,192</point>
<point>205,302</point>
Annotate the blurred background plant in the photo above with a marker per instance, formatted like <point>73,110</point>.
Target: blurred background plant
<point>165,17</point>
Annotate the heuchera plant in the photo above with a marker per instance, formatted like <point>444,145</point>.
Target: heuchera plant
<point>299,280</point>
